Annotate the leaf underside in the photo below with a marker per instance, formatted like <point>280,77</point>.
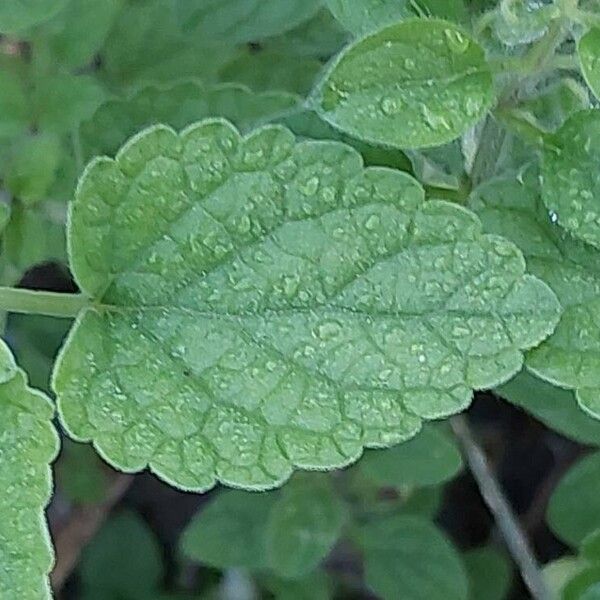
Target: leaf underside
<point>261,304</point>
<point>28,444</point>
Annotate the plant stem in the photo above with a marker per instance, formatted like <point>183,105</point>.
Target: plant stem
<point>506,520</point>
<point>51,304</point>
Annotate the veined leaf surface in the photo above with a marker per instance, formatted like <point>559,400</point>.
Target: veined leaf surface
<point>259,304</point>
<point>417,83</point>
<point>28,444</point>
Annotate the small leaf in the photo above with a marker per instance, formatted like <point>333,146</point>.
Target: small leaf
<point>230,531</point>
<point>489,573</point>
<point>574,508</point>
<point>32,167</point>
<point>122,561</point>
<point>414,84</point>
<point>261,304</point>
<point>304,524</point>
<point>62,102</point>
<point>28,444</point>
<point>363,16</point>
<point>429,458</point>
<point>512,207</point>
<point>408,558</point>
<point>242,21</point>
<point>19,15</point>
<point>77,32</point>
<point>555,407</point>
<point>178,105</point>
<point>570,181</point>
<point>588,50</point>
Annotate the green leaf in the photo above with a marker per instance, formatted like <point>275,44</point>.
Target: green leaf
<point>429,458</point>
<point>414,84</point>
<point>512,207</point>
<point>62,102</point>
<point>489,572</point>
<point>409,558</point>
<point>230,531</point>
<point>178,105</point>
<point>316,586</point>
<point>303,526</point>
<point>588,50</point>
<point>345,308</point>
<point>574,508</point>
<point>265,70</point>
<point>363,16</point>
<point>77,32</point>
<point>146,44</point>
<point>523,21</point>
<point>555,407</point>
<point>590,547</point>
<point>585,585</point>
<point>14,106</point>
<point>19,15</point>
<point>242,21</point>
<point>32,167</point>
<point>28,444</point>
<point>570,185</point>
<point>123,561</point>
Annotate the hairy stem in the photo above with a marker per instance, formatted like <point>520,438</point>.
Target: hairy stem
<point>505,519</point>
<point>50,304</point>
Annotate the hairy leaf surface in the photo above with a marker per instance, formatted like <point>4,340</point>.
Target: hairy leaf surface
<point>418,83</point>
<point>512,207</point>
<point>260,304</point>
<point>28,444</point>
<point>571,185</point>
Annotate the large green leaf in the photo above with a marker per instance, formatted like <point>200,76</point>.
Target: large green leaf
<point>18,15</point>
<point>178,105</point>
<point>240,21</point>
<point>28,444</point>
<point>574,508</point>
<point>408,558</point>
<point>512,207</point>
<point>259,304</point>
<point>362,16</point>
<point>418,83</point>
<point>571,184</point>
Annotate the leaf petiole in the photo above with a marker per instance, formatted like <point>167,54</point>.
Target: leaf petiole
<point>51,304</point>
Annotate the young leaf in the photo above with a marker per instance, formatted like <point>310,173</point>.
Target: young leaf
<point>489,573</point>
<point>260,304</point>
<point>230,531</point>
<point>19,15</point>
<point>588,50</point>
<point>28,444</point>
<point>555,407</point>
<point>429,458</point>
<point>570,181</point>
<point>77,32</point>
<point>32,167</point>
<point>414,84</point>
<point>178,105</point>
<point>408,558</point>
<point>303,526</point>
<point>122,561</point>
<point>242,21</point>
<point>511,206</point>
<point>574,508</point>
